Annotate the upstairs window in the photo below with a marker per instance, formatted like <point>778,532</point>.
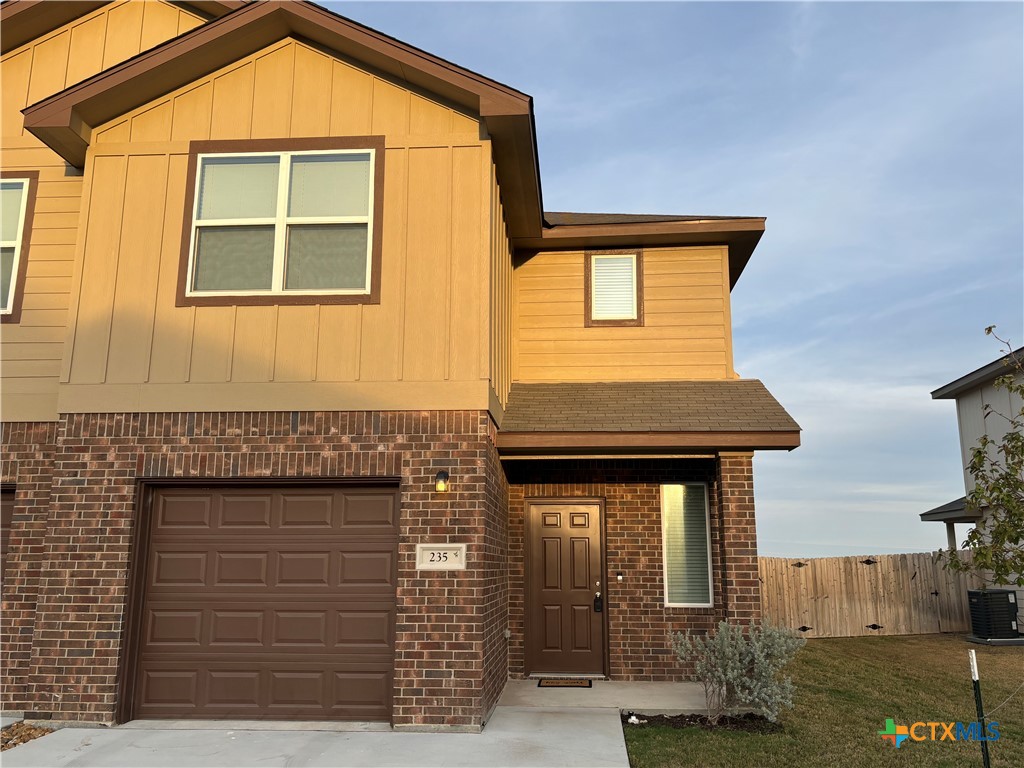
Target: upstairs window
<point>298,225</point>
<point>614,290</point>
<point>17,190</point>
<point>686,541</point>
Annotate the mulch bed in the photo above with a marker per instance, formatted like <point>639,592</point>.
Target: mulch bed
<point>748,723</point>
<point>19,733</point>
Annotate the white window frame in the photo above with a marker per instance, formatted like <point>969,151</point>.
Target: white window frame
<point>664,548</point>
<point>594,314</point>
<point>16,243</point>
<point>280,221</point>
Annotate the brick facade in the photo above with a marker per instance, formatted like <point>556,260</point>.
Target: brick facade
<point>638,621</point>
<point>66,578</point>
<point>27,464</point>
<point>449,666</point>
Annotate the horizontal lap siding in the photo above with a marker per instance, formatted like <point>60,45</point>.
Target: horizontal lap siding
<point>430,324</point>
<point>32,349</point>
<point>686,332</point>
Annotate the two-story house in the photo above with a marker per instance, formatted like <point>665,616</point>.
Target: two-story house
<point>982,408</point>
<point>311,411</point>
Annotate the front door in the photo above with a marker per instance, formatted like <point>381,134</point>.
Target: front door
<point>564,629</point>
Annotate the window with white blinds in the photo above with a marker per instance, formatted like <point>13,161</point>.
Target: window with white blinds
<point>613,286</point>
<point>283,223</point>
<point>13,201</point>
<point>686,544</point>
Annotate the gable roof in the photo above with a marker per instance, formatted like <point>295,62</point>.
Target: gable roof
<point>65,121</point>
<point>24,20</point>
<point>645,415</point>
<point>983,375</point>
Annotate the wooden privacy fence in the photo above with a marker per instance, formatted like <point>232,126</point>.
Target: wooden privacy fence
<point>908,594</point>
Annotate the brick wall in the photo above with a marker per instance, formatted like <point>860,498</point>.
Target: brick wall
<point>495,603</point>
<point>27,450</point>
<point>638,621</point>
<point>444,628</point>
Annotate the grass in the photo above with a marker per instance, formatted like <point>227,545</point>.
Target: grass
<point>846,688</point>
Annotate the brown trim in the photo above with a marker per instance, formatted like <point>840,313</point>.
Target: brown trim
<point>65,121</point>
<point>18,281</point>
<point>600,502</point>
<point>739,235</point>
<point>588,308</point>
<point>197,148</point>
<point>145,488</point>
<point>22,21</point>
<point>527,442</point>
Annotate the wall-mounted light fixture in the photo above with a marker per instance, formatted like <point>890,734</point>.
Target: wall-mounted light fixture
<point>441,482</point>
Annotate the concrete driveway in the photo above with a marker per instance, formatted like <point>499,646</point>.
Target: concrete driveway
<point>515,737</point>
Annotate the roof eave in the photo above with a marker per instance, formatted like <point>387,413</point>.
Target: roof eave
<point>525,443</point>
<point>22,21</point>
<point>740,235</point>
<point>65,121</point>
<point>983,375</point>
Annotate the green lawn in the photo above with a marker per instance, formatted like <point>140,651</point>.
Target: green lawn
<point>846,688</point>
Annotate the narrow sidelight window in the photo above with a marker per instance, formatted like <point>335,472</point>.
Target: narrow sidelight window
<point>686,540</point>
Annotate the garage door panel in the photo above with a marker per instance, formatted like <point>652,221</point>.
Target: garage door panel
<point>259,512</point>
<point>364,568</point>
<point>351,627</point>
<point>269,603</point>
<point>278,690</point>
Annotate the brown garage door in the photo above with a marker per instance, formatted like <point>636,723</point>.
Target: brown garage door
<point>271,603</point>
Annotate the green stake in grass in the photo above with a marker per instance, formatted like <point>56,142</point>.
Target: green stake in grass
<point>977,703</point>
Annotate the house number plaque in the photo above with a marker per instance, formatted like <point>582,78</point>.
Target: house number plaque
<point>441,557</point>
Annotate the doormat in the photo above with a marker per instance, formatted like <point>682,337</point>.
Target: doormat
<point>564,682</point>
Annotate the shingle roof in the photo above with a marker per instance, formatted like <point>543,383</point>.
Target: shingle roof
<point>954,511</point>
<point>567,219</point>
<point>739,405</point>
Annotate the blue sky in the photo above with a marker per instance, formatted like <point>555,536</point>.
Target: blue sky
<point>885,144</point>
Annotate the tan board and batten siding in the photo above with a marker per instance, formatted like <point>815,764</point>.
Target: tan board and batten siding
<point>501,299</point>
<point>32,349</point>
<point>426,345</point>
<point>686,332</point>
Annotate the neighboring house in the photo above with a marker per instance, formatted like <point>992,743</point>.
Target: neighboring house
<point>312,412</point>
<point>981,409</point>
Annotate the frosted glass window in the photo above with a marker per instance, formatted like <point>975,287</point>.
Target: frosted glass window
<point>687,544</point>
<point>6,274</point>
<point>613,287</point>
<point>13,201</point>
<point>330,185</point>
<point>11,194</point>
<point>329,256</point>
<point>238,188</point>
<point>283,223</point>
<point>234,259</point>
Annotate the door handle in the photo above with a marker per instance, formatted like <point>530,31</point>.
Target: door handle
<point>598,603</point>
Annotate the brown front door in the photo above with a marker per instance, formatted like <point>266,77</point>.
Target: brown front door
<point>271,603</point>
<point>564,632</point>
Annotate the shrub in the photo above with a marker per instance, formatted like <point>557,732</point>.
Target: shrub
<point>741,669</point>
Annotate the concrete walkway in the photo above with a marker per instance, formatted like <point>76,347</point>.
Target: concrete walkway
<point>531,727</point>
<point>650,698</point>
<point>516,737</point>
